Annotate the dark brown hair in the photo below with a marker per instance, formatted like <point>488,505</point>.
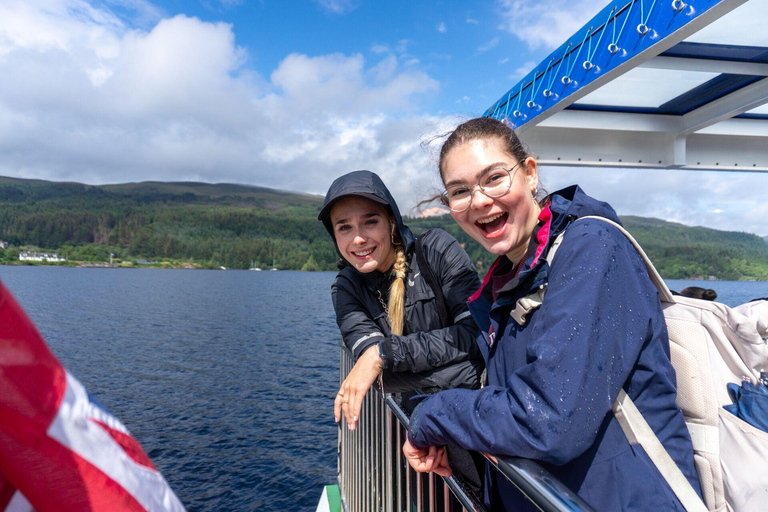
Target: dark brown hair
<point>484,128</point>
<point>699,293</point>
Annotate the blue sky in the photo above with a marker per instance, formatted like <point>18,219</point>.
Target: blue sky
<point>467,47</point>
<point>291,94</point>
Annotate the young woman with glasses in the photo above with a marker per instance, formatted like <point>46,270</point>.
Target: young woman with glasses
<point>553,373</point>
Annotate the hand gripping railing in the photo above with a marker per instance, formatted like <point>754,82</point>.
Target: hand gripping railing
<point>374,476</point>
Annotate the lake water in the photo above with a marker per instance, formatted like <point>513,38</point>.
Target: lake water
<point>730,293</point>
<point>226,378</point>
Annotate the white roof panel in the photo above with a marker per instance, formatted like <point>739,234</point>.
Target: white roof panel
<point>682,85</point>
<point>644,87</point>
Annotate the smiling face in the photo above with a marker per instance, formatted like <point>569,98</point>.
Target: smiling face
<point>503,225</point>
<point>362,231</point>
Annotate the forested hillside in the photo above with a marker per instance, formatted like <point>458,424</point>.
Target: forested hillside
<point>212,225</point>
<point>677,251</point>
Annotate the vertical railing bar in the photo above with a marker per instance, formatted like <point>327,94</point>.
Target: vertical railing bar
<point>390,487</point>
<point>387,452</point>
<point>419,492</point>
<point>431,492</point>
<point>367,459</point>
<point>379,442</point>
<point>408,498</point>
<point>398,461</point>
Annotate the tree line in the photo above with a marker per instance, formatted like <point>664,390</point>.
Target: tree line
<point>237,226</point>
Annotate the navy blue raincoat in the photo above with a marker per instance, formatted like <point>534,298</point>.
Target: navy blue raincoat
<point>551,382</point>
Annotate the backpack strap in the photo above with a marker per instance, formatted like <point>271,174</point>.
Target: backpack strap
<point>429,276</point>
<point>639,432</point>
<point>528,303</point>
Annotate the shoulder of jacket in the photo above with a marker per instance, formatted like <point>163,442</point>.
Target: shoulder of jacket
<point>597,235</point>
<point>594,227</point>
<point>437,239</point>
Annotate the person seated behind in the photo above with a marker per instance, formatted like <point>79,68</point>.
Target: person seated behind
<point>390,327</point>
<point>696,292</point>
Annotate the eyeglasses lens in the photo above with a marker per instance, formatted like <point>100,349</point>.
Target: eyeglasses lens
<point>494,184</point>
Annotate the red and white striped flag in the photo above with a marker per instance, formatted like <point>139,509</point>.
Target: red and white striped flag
<point>58,451</point>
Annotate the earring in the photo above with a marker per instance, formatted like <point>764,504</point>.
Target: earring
<point>392,233</point>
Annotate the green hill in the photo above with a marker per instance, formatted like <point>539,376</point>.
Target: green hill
<point>676,250</point>
<point>212,225</point>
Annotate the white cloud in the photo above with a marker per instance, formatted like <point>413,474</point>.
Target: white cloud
<point>402,45</point>
<point>473,21</point>
<point>721,200</point>
<point>380,48</point>
<point>86,98</point>
<point>338,6</point>
<point>442,28</point>
<point>546,23</point>
<point>488,45</point>
<point>521,71</point>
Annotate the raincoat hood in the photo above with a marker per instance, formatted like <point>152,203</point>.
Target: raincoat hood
<point>365,184</point>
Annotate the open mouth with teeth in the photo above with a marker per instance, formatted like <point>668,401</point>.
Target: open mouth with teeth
<point>492,226</point>
<point>365,253</point>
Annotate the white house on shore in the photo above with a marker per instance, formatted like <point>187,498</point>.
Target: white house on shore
<point>50,257</point>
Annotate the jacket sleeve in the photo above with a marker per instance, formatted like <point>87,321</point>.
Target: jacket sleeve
<point>599,311</point>
<point>424,350</point>
<point>358,330</point>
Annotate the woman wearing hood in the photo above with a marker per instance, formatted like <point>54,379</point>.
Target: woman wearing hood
<point>389,316</point>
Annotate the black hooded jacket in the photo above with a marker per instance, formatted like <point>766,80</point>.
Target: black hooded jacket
<point>428,355</point>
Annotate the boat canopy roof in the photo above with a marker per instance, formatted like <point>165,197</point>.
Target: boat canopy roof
<point>651,83</point>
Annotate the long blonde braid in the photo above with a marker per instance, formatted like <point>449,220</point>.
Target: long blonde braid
<point>396,303</point>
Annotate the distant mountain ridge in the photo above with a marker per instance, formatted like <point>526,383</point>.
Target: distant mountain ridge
<point>231,225</point>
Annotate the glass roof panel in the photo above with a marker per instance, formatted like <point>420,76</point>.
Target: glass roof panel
<point>762,109</point>
<point>646,87</point>
<point>744,26</point>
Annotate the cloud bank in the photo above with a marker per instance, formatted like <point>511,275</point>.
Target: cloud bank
<point>87,96</point>
<point>84,97</point>
<point>546,23</point>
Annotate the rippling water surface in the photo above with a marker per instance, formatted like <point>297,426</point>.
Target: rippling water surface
<point>226,378</point>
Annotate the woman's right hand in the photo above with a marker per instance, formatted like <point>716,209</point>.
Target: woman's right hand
<point>350,396</point>
<point>424,460</point>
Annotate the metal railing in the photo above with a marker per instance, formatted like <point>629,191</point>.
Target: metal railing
<point>375,477</point>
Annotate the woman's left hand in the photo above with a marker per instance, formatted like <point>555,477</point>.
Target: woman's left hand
<point>356,385</point>
<point>424,460</point>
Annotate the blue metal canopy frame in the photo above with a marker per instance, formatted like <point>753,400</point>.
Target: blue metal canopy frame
<point>680,132</point>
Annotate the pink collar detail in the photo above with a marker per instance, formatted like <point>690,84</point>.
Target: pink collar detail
<point>543,235</point>
<point>486,280</point>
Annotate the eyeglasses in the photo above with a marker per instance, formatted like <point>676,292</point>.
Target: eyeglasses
<point>494,183</point>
